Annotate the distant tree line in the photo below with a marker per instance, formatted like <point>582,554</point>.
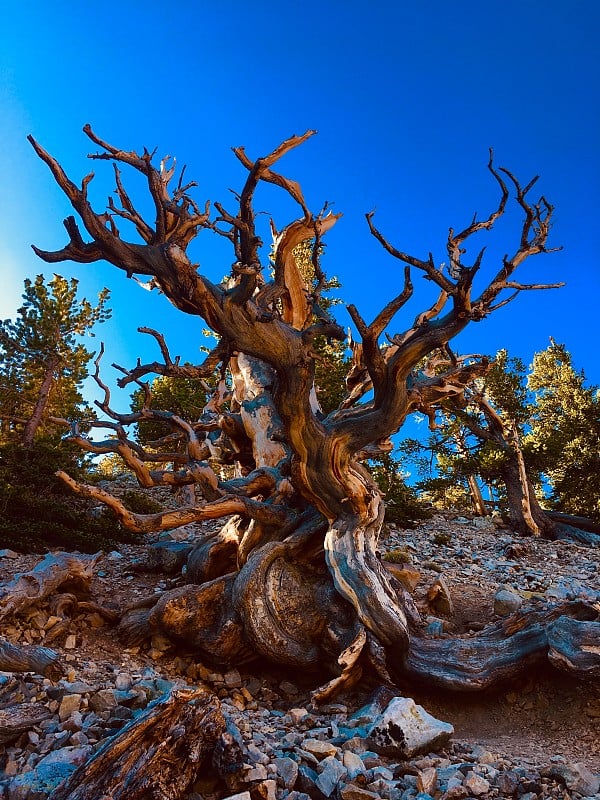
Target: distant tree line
<point>523,437</point>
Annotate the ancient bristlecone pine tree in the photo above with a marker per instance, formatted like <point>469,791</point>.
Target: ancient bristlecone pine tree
<point>293,576</point>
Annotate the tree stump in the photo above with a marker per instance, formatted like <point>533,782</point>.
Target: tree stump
<point>157,755</point>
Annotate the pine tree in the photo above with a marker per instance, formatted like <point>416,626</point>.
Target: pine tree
<point>43,361</point>
<point>564,439</point>
<point>481,433</point>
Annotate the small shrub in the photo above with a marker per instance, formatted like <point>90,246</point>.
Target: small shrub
<point>140,503</point>
<point>399,555</point>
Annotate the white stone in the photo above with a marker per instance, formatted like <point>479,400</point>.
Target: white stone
<point>506,602</point>
<point>354,764</point>
<point>405,729</point>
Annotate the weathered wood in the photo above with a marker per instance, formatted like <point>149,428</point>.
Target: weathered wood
<point>15,720</point>
<point>574,646</point>
<point>506,649</point>
<point>358,575</point>
<point>216,554</point>
<point>30,658</point>
<point>202,619</point>
<point>57,570</point>
<point>575,534</point>
<point>288,606</point>
<point>158,755</point>
<point>299,619</point>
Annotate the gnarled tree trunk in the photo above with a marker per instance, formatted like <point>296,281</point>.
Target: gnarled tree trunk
<point>525,513</point>
<point>295,575</point>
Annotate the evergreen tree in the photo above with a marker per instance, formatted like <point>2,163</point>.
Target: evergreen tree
<point>482,433</point>
<point>564,438</point>
<point>182,397</point>
<point>43,361</point>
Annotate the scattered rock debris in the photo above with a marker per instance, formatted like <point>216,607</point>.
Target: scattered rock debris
<point>537,738</point>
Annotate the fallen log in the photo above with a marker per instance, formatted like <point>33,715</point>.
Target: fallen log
<point>157,755</point>
<point>57,570</point>
<point>30,658</point>
<point>15,720</point>
<point>584,523</point>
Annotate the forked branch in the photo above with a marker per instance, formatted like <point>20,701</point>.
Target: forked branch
<point>167,520</point>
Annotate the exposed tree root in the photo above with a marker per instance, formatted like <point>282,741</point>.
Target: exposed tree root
<point>57,570</point>
<point>574,646</point>
<point>508,648</point>
<point>17,719</point>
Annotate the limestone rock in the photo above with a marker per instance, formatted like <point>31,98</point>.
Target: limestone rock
<point>405,729</point>
<point>354,764</point>
<point>427,780</point>
<point>408,576</point>
<point>476,784</point>
<point>506,602</point>
<point>318,748</point>
<point>68,705</point>
<point>332,772</point>
<point>287,770</point>
<point>351,792</point>
<point>576,777</point>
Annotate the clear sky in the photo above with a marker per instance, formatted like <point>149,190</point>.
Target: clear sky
<point>407,98</point>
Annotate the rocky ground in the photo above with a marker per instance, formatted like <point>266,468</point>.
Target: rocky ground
<point>538,737</point>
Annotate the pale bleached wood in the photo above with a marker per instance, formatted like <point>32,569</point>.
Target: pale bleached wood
<point>54,571</point>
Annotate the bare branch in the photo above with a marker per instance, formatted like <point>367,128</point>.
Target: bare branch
<point>76,250</point>
<point>455,241</point>
<point>428,267</point>
<point>167,520</point>
<point>259,170</point>
<point>385,316</point>
<point>128,211</point>
<point>173,369</point>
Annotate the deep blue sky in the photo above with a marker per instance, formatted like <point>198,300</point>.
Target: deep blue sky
<point>406,96</point>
